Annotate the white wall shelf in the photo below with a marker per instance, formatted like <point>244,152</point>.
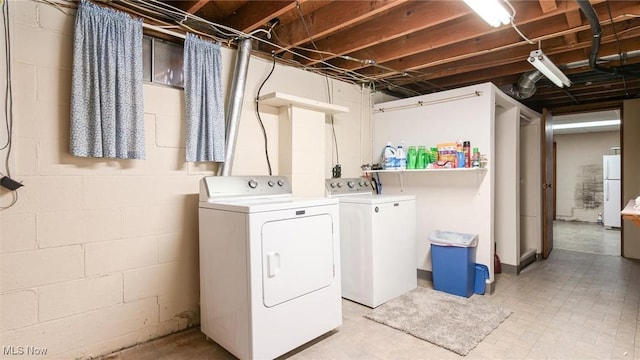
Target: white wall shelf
<point>450,171</point>
<point>445,170</point>
<point>279,99</point>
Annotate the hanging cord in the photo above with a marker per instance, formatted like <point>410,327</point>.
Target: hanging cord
<point>8,100</point>
<point>513,24</point>
<point>336,172</point>
<point>622,59</point>
<point>264,131</point>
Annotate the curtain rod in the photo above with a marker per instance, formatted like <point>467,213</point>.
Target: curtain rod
<point>163,30</point>
<point>424,103</point>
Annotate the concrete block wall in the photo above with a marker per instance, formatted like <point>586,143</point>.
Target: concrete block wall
<point>101,254</point>
<point>97,254</point>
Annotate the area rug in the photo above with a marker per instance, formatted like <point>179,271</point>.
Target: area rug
<point>453,322</point>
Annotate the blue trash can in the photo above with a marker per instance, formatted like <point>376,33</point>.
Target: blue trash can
<point>482,274</point>
<point>453,259</point>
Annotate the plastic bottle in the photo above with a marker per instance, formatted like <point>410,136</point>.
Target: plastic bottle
<point>460,159</point>
<point>459,154</point>
<point>401,157</point>
<point>389,156</point>
<point>466,147</point>
<point>475,160</point>
<point>412,157</point>
<point>423,157</point>
<point>434,155</point>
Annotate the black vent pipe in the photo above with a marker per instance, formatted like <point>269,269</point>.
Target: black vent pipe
<point>596,30</point>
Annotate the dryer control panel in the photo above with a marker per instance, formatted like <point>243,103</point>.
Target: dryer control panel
<point>348,186</point>
<point>215,187</point>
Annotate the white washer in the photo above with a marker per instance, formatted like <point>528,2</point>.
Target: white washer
<point>378,242</point>
<point>269,265</point>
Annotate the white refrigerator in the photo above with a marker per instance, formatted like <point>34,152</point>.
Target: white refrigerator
<point>612,190</point>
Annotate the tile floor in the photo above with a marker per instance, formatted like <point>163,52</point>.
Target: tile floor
<point>573,305</point>
<point>586,237</point>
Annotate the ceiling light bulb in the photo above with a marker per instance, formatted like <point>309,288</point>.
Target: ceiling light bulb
<point>491,11</point>
<point>586,124</point>
<point>538,59</point>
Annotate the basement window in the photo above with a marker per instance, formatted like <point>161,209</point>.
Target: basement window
<point>162,62</point>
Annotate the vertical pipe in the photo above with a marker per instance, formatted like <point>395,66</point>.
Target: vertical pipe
<point>234,108</point>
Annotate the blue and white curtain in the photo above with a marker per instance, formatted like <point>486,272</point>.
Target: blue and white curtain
<point>203,100</point>
<point>107,113</point>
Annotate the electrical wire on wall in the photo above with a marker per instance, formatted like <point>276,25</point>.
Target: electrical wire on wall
<point>6,180</point>
<point>264,131</point>
<point>336,171</point>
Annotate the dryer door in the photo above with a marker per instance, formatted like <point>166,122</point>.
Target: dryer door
<point>297,257</point>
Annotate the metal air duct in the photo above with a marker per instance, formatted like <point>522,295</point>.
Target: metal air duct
<point>234,108</point>
<point>526,86</point>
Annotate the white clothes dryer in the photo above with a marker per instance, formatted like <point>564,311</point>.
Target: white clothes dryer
<point>377,242</point>
<point>269,265</point>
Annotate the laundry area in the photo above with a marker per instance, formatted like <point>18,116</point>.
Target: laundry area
<point>214,202</point>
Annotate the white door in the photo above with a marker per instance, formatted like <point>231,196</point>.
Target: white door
<point>297,257</point>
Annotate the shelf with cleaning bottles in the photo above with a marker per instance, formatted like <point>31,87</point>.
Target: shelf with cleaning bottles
<point>479,171</point>
<point>436,170</point>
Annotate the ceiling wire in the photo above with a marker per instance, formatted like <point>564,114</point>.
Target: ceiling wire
<point>371,62</point>
<point>179,16</point>
<point>622,59</point>
<point>232,35</point>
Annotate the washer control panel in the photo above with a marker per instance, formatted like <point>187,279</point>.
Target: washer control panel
<point>348,186</point>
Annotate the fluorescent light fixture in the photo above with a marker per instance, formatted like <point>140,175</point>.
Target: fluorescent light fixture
<point>491,11</point>
<point>586,124</point>
<point>538,59</point>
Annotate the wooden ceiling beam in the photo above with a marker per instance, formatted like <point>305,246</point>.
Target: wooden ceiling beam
<point>400,21</point>
<point>493,43</point>
<point>486,67</point>
<point>255,14</point>
<point>451,32</point>
<point>197,6</point>
<point>329,19</point>
<point>458,30</point>
<point>548,5</point>
<point>573,21</point>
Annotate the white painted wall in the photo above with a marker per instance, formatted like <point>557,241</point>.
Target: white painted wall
<point>579,192</point>
<point>100,254</point>
<point>459,202</point>
<point>507,194</point>
<point>530,188</point>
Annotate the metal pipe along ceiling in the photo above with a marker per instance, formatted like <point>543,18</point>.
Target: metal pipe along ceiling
<point>234,107</point>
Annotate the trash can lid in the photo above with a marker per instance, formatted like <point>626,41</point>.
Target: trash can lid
<point>450,238</point>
